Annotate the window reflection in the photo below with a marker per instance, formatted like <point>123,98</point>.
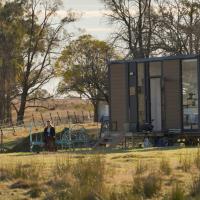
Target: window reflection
<point>190,94</point>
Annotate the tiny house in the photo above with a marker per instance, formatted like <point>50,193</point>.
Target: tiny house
<point>163,91</point>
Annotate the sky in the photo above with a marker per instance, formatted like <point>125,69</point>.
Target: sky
<point>92,21</point>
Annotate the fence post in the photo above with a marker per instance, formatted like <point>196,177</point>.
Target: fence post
<point>59,117</point>
<point>34,121</point>
<point>13,127</point>
<point>90,115</point>
<point>68,116</point>
<point>51,117</point>
<point>76,120</point>
<point>42,119</point>
<point>83,116</point>
<point>1,140</point>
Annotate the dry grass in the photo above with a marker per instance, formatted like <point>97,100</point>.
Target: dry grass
<point>100,176</point>
<point>165,166</point>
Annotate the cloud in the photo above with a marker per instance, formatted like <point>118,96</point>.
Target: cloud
<point>84,13</point>
<point>98,29</point>
<point>94,13</point>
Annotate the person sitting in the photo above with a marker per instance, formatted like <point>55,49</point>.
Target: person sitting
<point>49,137</point>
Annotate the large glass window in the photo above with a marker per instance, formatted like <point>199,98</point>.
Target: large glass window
<point>190,94</point>
<point>141,95</point>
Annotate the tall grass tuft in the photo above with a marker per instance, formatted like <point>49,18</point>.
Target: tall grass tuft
<point>61,167</point>
<point>84,179</point>
<point>31,171</point>
<point>141,167</point>
<point>177,193</point>
<point>147,186</point>
<point>197,159</point>
<point>195,187</point>
<point>165,166</point>
<point>5,173</point>
<point>185,163</point>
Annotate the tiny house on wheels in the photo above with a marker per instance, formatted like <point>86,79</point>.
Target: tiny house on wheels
<point>161,91</point>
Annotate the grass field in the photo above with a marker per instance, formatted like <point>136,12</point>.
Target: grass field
<point>21,137</point>
<point>167,174</point>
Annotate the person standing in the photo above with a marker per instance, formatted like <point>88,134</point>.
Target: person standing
<point>49,137</point>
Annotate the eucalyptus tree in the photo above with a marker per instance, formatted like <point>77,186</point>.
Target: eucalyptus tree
<point>11,34</point>
<point>83,68</point>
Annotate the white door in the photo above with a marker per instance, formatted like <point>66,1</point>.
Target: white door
<point>156,103</point>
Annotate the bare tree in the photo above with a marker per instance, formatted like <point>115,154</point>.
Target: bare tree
<point>44,32</point>
<point>178,26</point>
<point>134,20</point>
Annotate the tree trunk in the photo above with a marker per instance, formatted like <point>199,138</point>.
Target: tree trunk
<point>6,75</point>
<point>96,116</point>
<point>20,114</point>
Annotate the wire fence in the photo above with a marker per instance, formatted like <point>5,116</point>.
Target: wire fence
<point>7,126</point>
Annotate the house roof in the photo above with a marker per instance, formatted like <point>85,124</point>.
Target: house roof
<point>155,59</point>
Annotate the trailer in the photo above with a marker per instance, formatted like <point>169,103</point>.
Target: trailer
<point>158,92</point>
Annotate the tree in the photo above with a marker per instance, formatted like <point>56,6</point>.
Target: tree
<point>11,32</point>
<point>40,48</point>
<point>135,22</point>
<point>83,67</point>
<point>178,27</point>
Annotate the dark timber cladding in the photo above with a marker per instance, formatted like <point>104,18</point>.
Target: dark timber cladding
<point>172,94</point>
<point>161,90</point>
<point>119,94</point>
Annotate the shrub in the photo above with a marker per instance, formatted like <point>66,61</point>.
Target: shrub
<point>165,166</point>
<point>152,185</point>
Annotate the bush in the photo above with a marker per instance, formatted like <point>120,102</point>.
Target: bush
<point>152,185</point>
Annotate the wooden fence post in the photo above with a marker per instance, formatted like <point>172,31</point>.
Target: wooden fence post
<point>1,140</point>
<point>59,117</point>
<point>51,117</point>
<point>75,116</point>
<point>83,116</point>
<point>13,128</point>
<point>34,121</point>
<point>42,119</point>
<point>68,116</point>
